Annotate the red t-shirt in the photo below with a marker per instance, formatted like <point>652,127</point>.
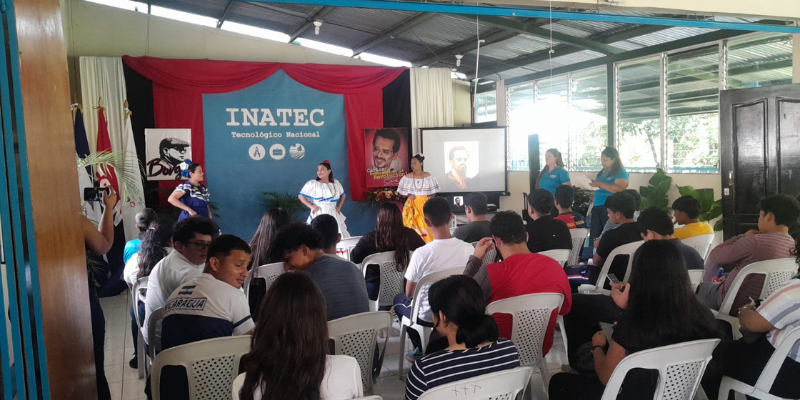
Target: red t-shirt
<point>522,274</point>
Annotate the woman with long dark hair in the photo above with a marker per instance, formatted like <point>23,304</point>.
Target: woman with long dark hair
<point>611,179</point>
<point>553,174</point>
<point>288,355</point>
<point>271,222</point>
<point>660,310</point>
<point>474,347</point>
<point>191,196</point>
<point>418,186</point>
<point>325,195</point>
<point>768,324</point>
<point>389,235</point>
<point>143,220</point>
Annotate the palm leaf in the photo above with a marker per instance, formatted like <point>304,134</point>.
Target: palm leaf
<point>127,166</point>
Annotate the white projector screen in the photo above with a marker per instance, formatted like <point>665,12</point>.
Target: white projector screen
<point>466,160</point>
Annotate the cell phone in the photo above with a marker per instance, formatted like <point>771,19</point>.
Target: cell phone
<point>612,278</point>
<point>94,193</point>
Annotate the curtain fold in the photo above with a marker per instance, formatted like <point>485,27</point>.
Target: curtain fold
<point>431,101</point>
<point>178,86</point>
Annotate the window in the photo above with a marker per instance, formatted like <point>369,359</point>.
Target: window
<point>588,122</point>
<point>519,121</point>
<point>692,137</point>
<point>639,131</point>
<point>551,116</point>
<point>486,106</point>
<point>760,60</point>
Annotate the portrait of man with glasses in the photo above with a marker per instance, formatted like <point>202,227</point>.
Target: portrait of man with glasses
<point>385,147</point>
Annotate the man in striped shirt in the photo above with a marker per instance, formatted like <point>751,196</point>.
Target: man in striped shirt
<point>771,241</point>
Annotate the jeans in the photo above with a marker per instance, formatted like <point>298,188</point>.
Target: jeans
<point>402,307</point>
<point>598,221</point>
<point>98,339</point>
<point>583,320</point>
<point>135,327</point>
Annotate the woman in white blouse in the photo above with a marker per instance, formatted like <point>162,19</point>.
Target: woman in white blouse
<point>288,357</point>
<point>418,186</point>
<point>325,195</point>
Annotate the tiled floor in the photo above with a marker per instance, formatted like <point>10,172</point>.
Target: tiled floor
<point>125,384</point>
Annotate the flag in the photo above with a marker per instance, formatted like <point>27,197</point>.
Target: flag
<point>79,129</point>
<point>106,176</point>
<point>84,174</point>
<point>134,201</point>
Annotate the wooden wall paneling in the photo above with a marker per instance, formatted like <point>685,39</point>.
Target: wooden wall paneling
<point>55,208</point>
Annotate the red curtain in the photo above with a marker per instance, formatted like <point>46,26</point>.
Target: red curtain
<point>178,86</point>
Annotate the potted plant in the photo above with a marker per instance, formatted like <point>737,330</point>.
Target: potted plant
<point>655,195</point>
<point>285,201</point>
<point>710,209</point>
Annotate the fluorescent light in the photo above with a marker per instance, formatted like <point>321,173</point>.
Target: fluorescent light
<point>254,31</point>
<point>183,16</point>
<point>328,48</point>
<point>124,4</point>
<point>457,75</point>
<point>374,58</point>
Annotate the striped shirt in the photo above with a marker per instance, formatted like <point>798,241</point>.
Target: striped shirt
<point>782,310</point>
<point>741,251</point>
<point>446,366</point>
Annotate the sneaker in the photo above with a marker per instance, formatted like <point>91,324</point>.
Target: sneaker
<point>414,355</point>
<point>134,362</point>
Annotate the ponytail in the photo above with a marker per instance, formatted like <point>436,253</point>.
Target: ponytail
<point>479,329</point>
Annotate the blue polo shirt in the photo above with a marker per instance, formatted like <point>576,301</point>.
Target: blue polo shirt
<point>553,179</point>
<point>601,194</point>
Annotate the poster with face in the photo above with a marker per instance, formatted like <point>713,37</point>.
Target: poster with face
<point>462,165</point>
<point>166,149</point>
<point>386,156</point>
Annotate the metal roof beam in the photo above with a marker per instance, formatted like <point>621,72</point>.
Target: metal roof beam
<point>391,33</point>
<point>321,13</point>
<point>522,27</point>
<point>224,14</point>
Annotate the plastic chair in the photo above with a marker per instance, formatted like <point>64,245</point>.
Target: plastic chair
<point>777,273</point>
<point>154,332</point>
<point>345,246</point>
<point>624,250</point>
<point>391,278</point>
<point>579,236</point>
<point>561,256</point>
<point>489,257</point>
<point>141,360</point>
<point>504,385</point>
<point>701,243</point>
<point>268,272</point>
<point>768,375</point>
<point>356,336</point>
<point>680,367</point>
<point>696,277</point>
<point>531,315</point>
<point>211,365</point>
<point>370,398</point>
<point>405,323</point>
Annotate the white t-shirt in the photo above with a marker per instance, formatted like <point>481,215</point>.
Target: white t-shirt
<point>169,274</point>
<point>438,255</point>
<point>782,310</point>
<point>131,269</point>
<point>342,380</point>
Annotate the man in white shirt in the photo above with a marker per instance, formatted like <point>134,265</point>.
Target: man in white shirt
<point>442,253</point>
<point>190,239</point>
<point>211,305</point>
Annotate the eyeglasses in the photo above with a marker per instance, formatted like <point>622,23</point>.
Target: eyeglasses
<point>386,152</point>
<point>200,246</point>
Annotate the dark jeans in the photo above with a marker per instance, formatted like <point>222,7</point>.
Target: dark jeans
<point>98,339</point>
<point>402,307</point>
<point>581,323</point>
<point>744,362</point>
<point>638,384</point>
<point>598,221</point>
<point>135,327</point>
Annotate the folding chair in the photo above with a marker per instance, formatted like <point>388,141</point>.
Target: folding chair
<point>504,385</point>
<point>357,336</point>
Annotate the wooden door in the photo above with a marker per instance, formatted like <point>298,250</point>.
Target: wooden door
<point>759,151</point>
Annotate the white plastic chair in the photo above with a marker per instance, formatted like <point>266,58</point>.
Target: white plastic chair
<point>701,243</point>
<point>696,277</point>
<point>768,375</point>
<point>356,336</point>
<point>345,246</point>
<point>268,272</point>
<point>504,385</point>
<point>531,316</point>
<point>579,236</point>
<point>141,359</point>
<point>489,257</point>
<point>680,367</point>
<point>424,331</point>
<point>211,365</point>
<point>391,279</point>
<point>561,256</point>
<point>777,273</point>
<point>154,332</point>
<point>624,250</point>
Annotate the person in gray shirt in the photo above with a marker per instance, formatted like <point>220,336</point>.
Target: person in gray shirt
<point>340,281</point>
<point>478,226</point>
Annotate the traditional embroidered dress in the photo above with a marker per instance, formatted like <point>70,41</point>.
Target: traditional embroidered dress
<point>195,197</point>
<point>412,211</point>
<point>326,196</point>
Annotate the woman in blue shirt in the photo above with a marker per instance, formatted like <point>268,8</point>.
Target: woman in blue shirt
<point>553,174</point>
<point>611,179</point>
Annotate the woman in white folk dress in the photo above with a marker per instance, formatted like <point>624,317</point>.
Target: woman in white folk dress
<point>325,195</point>
<point>418,186</point>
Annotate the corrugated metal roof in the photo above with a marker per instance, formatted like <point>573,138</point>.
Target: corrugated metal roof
<point>516,46</point>
<point>369,20</point>
<point>664,36</point>
<point>560,61</point>
<point>443,31</point>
